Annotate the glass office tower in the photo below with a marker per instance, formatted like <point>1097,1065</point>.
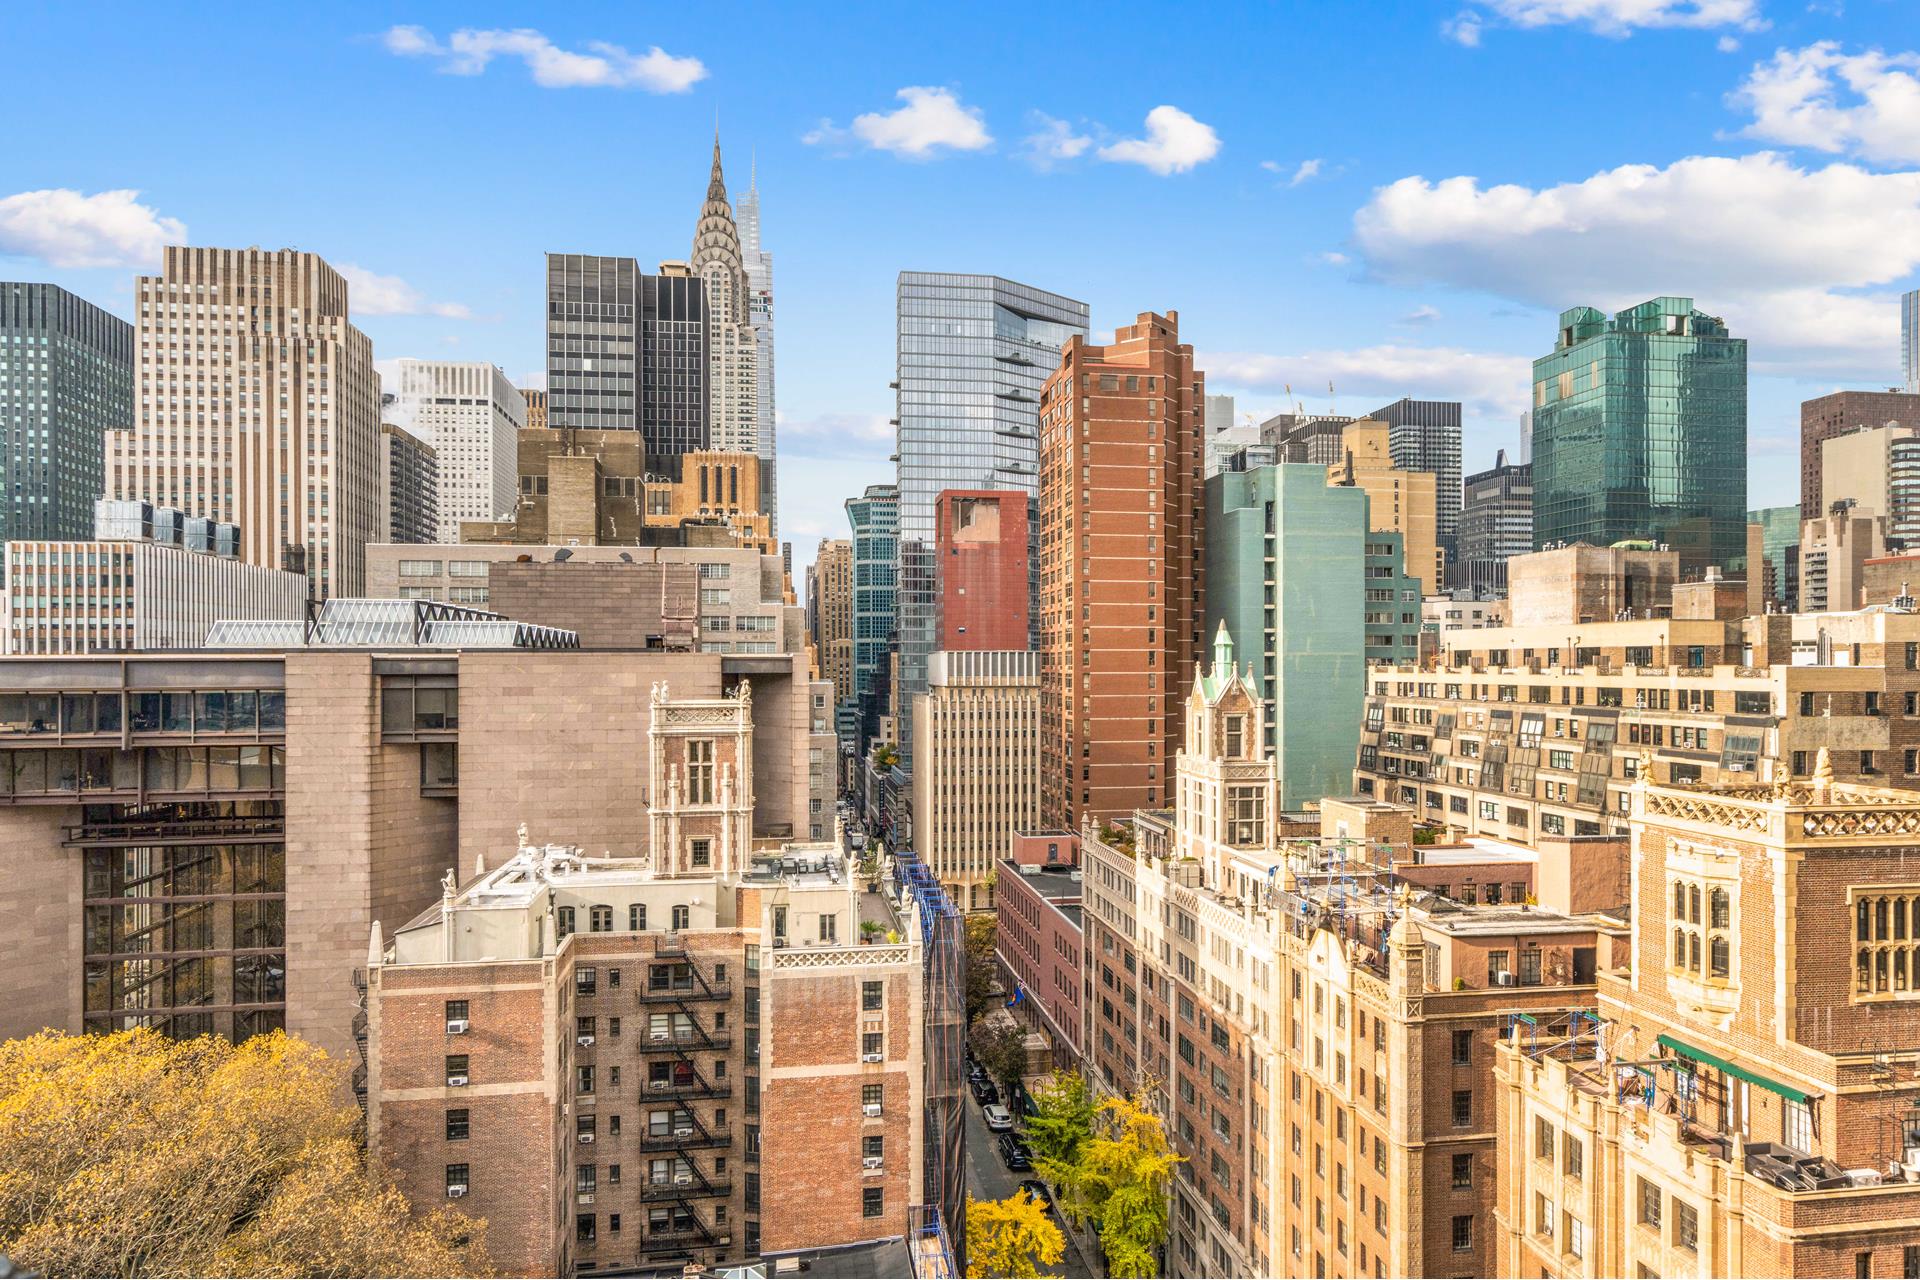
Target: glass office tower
<point>874,517</point>
<point>66,379</point>
<point>972,354</point>
<point>626,351</point>
<point>1640,432</point>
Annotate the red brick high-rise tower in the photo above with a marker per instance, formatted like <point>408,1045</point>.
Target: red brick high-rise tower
<point>981,548</point>
<point>1121,435</point>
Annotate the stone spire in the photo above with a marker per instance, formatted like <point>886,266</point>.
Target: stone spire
<point>1222,653</point>
<point>716,236</point>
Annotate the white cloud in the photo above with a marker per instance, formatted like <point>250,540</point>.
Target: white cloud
<point>1727,44</point>
<point>932,120</point>
<point>1175,143</point>
<point>64,228</point>
<point>1333,258</point>
<point>1052,142</point>
<point>604,66</point>
<point>1780,247</point>
<point>830,435</point>
<point>372,294</point>
<point>1308,170</point>
<point>1615,18</point>
<point>1865,104</point>
<point>1488,384</point>
<point>1420,315</point>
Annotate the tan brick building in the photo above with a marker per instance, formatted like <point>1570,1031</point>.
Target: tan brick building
<point>1398,501</point>
<point>1746,1102</point>
<point>830,614</point>
<point>976,772</point>
<point>1121,438</point>
<point>704,1052</point>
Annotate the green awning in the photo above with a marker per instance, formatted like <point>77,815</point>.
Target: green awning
<point>1738,1072</point>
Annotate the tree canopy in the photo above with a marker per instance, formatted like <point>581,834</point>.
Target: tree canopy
<point>1120,1179</point>
<point>982,983</point>
<point>134,1155</point>
<point>1012,1237</point>
<point>999,1045</point>
<point>1061,1123</point>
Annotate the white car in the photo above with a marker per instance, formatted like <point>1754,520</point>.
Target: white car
<point>999,1119</point>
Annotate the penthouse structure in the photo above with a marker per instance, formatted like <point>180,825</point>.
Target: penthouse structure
<point>705,1050</point>
<point>1121,524</point>
<point>1745,1103</point>
<point>1319,1045</point>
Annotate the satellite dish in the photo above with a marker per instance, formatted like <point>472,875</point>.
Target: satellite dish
<point>562,555</point>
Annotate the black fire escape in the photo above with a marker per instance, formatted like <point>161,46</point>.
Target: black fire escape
<point>677,1035</point>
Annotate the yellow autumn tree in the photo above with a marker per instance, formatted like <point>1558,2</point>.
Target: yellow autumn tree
<point>1012,1237</point>
<point>1119,1177</point>
<point>134,1155</point>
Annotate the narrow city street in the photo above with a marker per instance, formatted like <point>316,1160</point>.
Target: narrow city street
<point>988,1178</point>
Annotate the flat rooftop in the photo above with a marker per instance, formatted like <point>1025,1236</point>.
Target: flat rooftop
<point>1476,850</point>
<point>1051,885</point>
<point>1442,915</point>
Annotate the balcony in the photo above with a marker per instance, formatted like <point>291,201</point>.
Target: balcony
<point>680,1041</point>
<point>695,1186</point>
<point>668,1091</point>
<point>701,990</point>
<point>693,1138</point>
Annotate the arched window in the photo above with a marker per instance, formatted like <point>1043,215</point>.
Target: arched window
<point>1693,903</point>
<point>1717,917</point>
<point>1720,957</point>
<point>1693,952</point>
<point>1679,900</point>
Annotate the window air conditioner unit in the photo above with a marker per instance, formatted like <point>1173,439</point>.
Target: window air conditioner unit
<point>871,1110</point>
<point>682,1179</point>
<point>683,1133</point>
<point>870,1162</point>
<point>873,1057</point>
<point>585,1042</point>
<point>660,1035</point>
<point>457,1190</point>
<point>1505,980</point>
<point>658,1085</point>
<point>456,1026</point>
<point>457,1082</point>
<point>585,1197</point>
<point>586,1139</point>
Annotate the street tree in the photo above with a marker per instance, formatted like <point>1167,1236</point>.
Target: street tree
<point>135,1155</point>
<point>982,985</point>
<point>1012,1237</point>
<point>1120,1180</point>
<point>1061,1124</point>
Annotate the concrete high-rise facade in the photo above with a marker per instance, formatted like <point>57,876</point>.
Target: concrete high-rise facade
<point>1876,468</point>
<point>66,379</point>
<point>1842,413</point>
<point>472,416</point>
<point>981,544</point>
<point>830,614</point>
<point>976,773</point>
<point>1640,432</point>
<point>1398,500</point>
<point>1496,524</point>
<point>1910,340</point>
<point>758,265</point>
<point>972,353</point>
<point>536,407</point>
<point>733,345</point>
<point>874,517</point>
<point>1286,574</point>
<point>258,405</point>
<point>1424,435</point>
<point>1121,584</point>
<point>409,487</point>
<point>627,351</point>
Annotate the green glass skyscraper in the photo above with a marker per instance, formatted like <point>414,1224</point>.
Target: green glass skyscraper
<point>1640,432</point>
<point>66,378</point>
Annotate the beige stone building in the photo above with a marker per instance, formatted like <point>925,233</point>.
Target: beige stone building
<point>1745,1103</point>
<point>976,766</point>
<point>256,402</point>
<point>1398,501</point>
<point>702,1050</point>
<point>830,614</point>
<point>1834,551</point>
<point>1580,584</point>
<point>1318,1044</point>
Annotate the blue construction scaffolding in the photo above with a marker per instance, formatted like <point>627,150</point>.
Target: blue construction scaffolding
<point>937,1227</point>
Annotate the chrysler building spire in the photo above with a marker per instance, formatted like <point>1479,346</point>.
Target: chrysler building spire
<point>732,377</point>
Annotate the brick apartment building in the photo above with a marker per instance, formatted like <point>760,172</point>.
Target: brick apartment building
<point>1824,417</point>
<point>200,841</point>
<point>1121,453</point>
<point>1530,733</point>
<point>702,1052</point>
<point>1746,1102</point>
<point>1039,943</point>
<point>980,546</point>
<point>1319,1044</point>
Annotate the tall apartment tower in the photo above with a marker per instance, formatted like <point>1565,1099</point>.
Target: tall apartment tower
<point>981,545</point>
<point>626,351</point>
<point>1424,435</point>
<point>1496,523</point>
<point>1121,582</point>
<point>1910,340</point>
<point>66,379</point>
<point>409,487</point>
<point>733,397</point>
<point>1640,432</point>
<point>1841,413</point>
<point>758,264</point>
<point>258,405</point>
<point>976,776</point>
<point>874,517</point>
<point>472,416</point>
<point>1398,501</point>
<point>830,614</point>
<point>972,354</point>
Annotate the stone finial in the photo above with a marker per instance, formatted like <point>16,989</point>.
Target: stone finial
<point>376,948</point>
<point>1823,772</point>
<point>523,835</point>
<point>1646,764</point>
<point>743,692</point>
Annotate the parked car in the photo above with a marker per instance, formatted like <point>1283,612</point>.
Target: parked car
<point>998,1118</point>
<point>1038,1191</point>
<point>983,1091</point>
<point>1014,1152</point>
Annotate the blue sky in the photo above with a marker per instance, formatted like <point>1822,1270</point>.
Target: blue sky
<point>1394,197</point>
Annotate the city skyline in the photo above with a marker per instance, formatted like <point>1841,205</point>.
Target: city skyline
<point>1319,246</point>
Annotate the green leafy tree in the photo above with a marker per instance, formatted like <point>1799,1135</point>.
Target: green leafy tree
<point>982,984</point>
<point>1121,1180</point>
<point>1012,1237</point>
<point>1061,1124</point>
<point>1000,1046</point>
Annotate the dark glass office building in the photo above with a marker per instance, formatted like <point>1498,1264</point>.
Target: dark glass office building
<point>1424,435</point>
<point>1640,432</point>
<point>626,351</point>
<point>66,378</point>
<point>972,354</point>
